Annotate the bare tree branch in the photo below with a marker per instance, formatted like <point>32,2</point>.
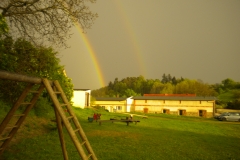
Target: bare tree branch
<point>46,20</point>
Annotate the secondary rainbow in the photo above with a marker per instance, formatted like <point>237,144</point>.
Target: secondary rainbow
<point>132,37</point>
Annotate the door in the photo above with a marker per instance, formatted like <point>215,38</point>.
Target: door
<point>167,111</point>
<point>202,113</point>
<point>182,112</point>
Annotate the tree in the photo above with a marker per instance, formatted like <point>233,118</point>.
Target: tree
<point>138,85</point>
<point>100,92</point>
<point>157,87</point>
<point>3,25</point>
<point>174,80</point>
<point>228,84</point>
<point>194,87</point>
<point>129,93</point>
<point>164,78</point>
<point>168,88</point>
<point>169,78</point>
<point>43,20</point>
<point>147,85</point>
<point>23,57</point>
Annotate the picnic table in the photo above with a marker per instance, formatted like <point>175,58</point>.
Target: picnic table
<point>122,120</point>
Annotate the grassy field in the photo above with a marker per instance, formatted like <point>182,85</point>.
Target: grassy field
<point>165,137</point>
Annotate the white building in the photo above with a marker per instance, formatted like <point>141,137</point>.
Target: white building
<point>169,104</point>
<point>81,98</point>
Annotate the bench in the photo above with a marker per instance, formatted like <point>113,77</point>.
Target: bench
<point>115,120</point>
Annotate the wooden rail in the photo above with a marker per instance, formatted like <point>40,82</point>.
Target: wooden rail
<point>19,77</point>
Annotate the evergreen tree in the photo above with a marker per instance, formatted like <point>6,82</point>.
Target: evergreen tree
<point>164,78</point>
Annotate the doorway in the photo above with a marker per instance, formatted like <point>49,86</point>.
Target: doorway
<point>202,113</point>
<point>166,111</point>
<point>182,112</point>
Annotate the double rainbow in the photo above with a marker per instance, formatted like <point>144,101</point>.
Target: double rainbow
<point>92,54</point>
<point>132,37</point>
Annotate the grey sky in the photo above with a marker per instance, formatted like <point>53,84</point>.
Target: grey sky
<point>195,39</point>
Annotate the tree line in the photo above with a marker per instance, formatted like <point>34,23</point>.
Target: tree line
<point>227,92</point>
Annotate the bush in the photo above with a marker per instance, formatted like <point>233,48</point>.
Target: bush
<point>4,108</point>
<point>97,107</point>
<point>233,105</point>
<point>43,108</point>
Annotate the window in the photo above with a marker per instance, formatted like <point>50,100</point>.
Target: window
<point>119,107</point>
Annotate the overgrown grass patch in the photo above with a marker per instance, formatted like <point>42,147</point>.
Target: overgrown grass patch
<point>158,137</point>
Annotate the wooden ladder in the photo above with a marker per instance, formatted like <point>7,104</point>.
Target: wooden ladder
<point>14,119</point>
<point>66,116</point>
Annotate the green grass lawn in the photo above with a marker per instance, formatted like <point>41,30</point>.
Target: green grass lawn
<point>160,137</point>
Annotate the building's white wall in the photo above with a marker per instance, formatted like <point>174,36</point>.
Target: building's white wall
<point>112,106</point>
<point>79,98</point>
<point>157,106</point>
<point>172,103</point>
<point>129,107</point>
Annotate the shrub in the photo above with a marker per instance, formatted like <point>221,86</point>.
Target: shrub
<point>97,107</point>
<point>4,108</point>
<point>43,108</point>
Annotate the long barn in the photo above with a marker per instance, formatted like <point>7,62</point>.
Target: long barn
<point>186,105</point>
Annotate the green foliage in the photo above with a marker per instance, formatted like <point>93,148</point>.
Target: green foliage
<point>97,107</point>
<point>230,99</point>
<point>23,57</point>
<point>4,108</point>
<point>169,79</point>
<point>3,25</point>
<point>228,84</point>
<point>43,108</point>
<point>129,93</point>
<point>226,96</point>
<point>132,86</point>
<point>233,105</point>
<point>229,94</point>
<point>168,88</point>
<point>100,92</point>
<point>157,86</point>
<point>195,87</point>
